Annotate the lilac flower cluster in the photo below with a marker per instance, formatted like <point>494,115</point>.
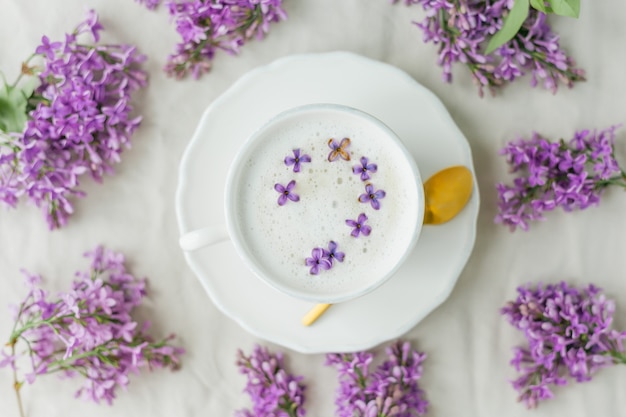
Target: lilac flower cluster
<point>391,390</point>
<point>207,26</point>
<point>461,29</point>
<point>274,391</point>
<point>150,4</point>
<point>324,259</point>
<point>571,175</point>
<point>89,330</point>
<point>79,121</point>
<point>568,332</point>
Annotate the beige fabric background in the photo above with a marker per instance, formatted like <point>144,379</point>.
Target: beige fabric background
<point>468,344</point>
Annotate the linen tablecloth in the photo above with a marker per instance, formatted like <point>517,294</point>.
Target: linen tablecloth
<point>467,342</point>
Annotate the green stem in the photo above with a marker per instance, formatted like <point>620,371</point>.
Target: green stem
<point>65,363</point>
<point>19,77</point>
<point>17,386</point>
<point>542,58</point>
<point>619,357</point>
<point>616,180</point>
<point>17,333</point>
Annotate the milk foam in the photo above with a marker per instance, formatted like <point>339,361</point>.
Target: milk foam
<point>282,237</point>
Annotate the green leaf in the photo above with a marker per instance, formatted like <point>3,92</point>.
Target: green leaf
<point>13,107</point>
<point>569,8</point>
<point>512,24</point>
<point>539,5</point>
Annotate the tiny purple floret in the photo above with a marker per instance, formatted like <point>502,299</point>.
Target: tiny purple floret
<point>296,160</point>
<point>319,260</point>
<point>372,196</point>
<point>359,226</point>
<point>333,252</point>
<point>286,193</point>
<point>339,149</point>
<point>364,169</point>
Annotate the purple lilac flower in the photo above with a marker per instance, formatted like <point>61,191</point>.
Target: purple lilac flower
<point>319,260</point>
<point>79,121</point>
<point>333,252</point>
<point>47,48</point>
<point>364,169</point>
<point>274,391</point>
<point>286,193</point>
<point>296,160</point>
<point>208,26</point>
<point>150,4</point>
<point>568,332</point>
<point>571,175</point>
<point>339,150</point>
<point>372,196</point>
<point>391,390</point>
<point>359,226</point>
<point>89,331</point>
<point>462,30</point>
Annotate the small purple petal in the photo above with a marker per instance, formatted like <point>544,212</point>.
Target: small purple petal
<point>325,263</point>
<point>296,160</point>
<point>319,259</point>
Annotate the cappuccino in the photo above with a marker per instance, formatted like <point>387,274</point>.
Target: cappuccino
<point>326,203</point>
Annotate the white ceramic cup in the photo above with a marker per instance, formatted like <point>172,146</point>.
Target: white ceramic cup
<point>407,201</point>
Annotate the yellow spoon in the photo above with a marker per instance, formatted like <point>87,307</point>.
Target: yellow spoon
<point>445,194</point>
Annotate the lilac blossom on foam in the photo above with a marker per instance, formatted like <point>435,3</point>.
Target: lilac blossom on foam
<point>333,252</point>
<point>568,331</point>
<point>372,196</point>
<point>571,175</point>
<point>296,160</point>
<point>286,193</point>
<point>358,226</point>
<point>319,260</point>
<point>89,331</point>
<point>364,169</point>
<point>80,121</point>
<point>339,149</point>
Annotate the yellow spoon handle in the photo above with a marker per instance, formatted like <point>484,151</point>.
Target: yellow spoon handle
<point>314,314</point>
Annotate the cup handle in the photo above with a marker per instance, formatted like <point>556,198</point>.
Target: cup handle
<point>200,238</point>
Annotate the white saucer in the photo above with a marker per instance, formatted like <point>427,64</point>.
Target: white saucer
<point>422,283</point>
